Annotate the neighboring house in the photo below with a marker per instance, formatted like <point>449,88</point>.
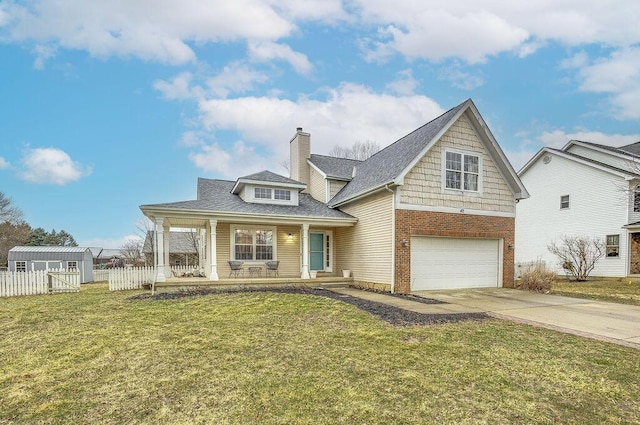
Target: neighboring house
<point>105,258</point>
<point>583,189</point>
<point>34,258</point>
<point>435,209</point>
<point>183,245</point>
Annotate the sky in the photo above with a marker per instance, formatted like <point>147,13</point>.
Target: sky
<point>106,106</point>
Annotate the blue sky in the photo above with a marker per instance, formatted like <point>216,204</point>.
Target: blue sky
<point>105,106</point>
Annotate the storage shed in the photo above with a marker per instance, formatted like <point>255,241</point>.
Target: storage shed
<point>32,258</point>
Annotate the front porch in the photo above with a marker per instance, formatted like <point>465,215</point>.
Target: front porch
<point>177,283</point>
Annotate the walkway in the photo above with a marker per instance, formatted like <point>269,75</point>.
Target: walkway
<point>617,323</point>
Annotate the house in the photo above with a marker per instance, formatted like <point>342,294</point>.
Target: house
<point>583,189</point>
<point>185,247</point>
<point>433,210</point>
<point>104,258</point>
<point>35,258</point>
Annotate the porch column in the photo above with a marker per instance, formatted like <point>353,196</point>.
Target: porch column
<point>167,249</point>
<point>305,252</point>
<point>212,250</point>
<point>160,276</point>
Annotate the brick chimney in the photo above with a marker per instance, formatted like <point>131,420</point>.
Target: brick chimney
<point>299,152</point>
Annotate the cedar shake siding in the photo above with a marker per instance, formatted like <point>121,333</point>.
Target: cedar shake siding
<point>425,223</point>
<point>423,184</point>
<point>317,186</point>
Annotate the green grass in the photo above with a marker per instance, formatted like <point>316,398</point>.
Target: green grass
<point>265,358</point>
<point>619,291</point>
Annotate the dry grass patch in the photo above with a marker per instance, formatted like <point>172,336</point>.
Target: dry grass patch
<point>620,291</point>
<point>247,358</point>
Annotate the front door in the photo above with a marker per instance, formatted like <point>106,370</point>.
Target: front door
<point>316,251</point>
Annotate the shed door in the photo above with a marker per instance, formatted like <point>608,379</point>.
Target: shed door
<point>451,263</point>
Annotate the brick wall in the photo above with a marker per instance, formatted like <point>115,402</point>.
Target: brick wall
<point>424,223</point>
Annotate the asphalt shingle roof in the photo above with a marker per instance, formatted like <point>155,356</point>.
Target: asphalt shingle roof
<point>216,196</point>
<point>593,161</point>
<point>337,168</point>
<point>632,149</point>
<point>268,176</point>
<point>386,165</point>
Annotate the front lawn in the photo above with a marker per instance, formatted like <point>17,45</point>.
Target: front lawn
<point>273,358</point>
<point>623,291</point>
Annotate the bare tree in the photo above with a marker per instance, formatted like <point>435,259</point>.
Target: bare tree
<point>146,231</point>
<point>8,212</point>
<point>131,250</point>
<point>359,150</point>
<point>14,230</point>
<point>286,165</point>
<point>578,254</point>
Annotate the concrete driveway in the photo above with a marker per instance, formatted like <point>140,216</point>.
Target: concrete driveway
<point>618,323</point>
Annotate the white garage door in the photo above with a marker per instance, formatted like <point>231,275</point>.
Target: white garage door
<point>450,263</point>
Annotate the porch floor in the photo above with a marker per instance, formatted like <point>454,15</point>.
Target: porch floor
<point>243,282</point>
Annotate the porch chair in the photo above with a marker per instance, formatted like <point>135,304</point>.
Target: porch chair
<point>236,268</point>
<point>272,267</point>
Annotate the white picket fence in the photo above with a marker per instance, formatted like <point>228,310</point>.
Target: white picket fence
<point>130,278</point>
<point>39,282</point>
<point>100,275</point>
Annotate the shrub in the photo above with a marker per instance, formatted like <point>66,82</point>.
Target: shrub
<point>537,277</point>
<point>578,255</point>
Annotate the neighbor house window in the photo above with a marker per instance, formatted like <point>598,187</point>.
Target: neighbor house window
<point>253,244</point>
<point>564,202</point>
<point>21,266</point>
<point>636,202</point>
<point>613,245</point>
<point>72,265</point>
<point>262,193</point>
<point>282,194</point>
<point>462,171</point>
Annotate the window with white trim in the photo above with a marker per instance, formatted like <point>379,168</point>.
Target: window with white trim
<point>564,202</point>
<point>636,202</point>
<point>613,245</point>
<point>282,194</point>
<point>21,266</point>
<point>253,244</point>
<point>462,171</point>
<point>72,265</point>
<point>262,193</point>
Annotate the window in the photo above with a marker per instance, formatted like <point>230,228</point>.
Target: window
<point>564,202</point>
<point>636,202</point>
<point>72,265</point>
<point>262,193</point>
<point>462,171</point>
<point>21,266</point>
<point>613,245</point>
<point>282,194</point>
<point>253,244</point>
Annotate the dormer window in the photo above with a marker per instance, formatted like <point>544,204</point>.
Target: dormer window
<point>262,193</point>
<point>281,194</point>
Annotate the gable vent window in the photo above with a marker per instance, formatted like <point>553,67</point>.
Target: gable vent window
<point>462,171</point>
<point>564,202</point>
<point>262,193</point>
<point>613,245</point>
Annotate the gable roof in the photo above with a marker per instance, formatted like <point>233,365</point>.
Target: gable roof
<point>632,150</point>
<point>215,196</point>
<point>579,159</point>
<point>333,167</point>
<point>56,249</point>
<point>391,164</point>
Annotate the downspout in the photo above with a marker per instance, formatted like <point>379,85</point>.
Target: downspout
<point>393,237</point>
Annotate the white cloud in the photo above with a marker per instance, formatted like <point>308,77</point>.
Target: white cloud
<point>266,124</point>
<point>404,84</point>
<point>266,51</point>
<point>617,76</point>
<point>161,33</point>
<point>459,78</point>
<point>51,165</point>
<point>4,163</point>
<point>235,78</point>
<point>179,88</point>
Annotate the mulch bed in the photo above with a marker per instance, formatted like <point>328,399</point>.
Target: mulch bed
<point>393,315</point>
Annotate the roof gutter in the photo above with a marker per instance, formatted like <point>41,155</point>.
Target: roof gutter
<point>384,186</point>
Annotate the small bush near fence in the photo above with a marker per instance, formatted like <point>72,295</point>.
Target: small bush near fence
<point>536,277</point>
